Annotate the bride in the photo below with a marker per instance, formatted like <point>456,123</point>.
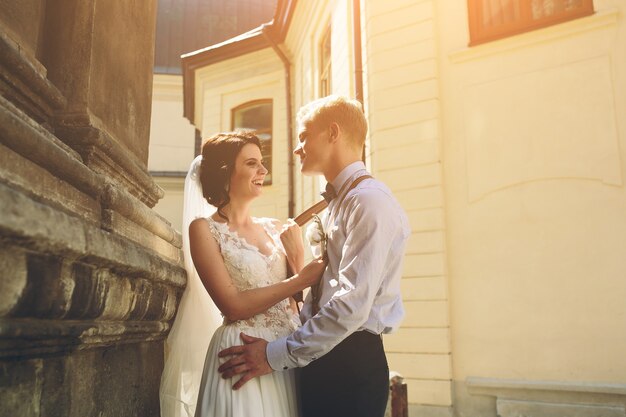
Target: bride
<point>241,261</point>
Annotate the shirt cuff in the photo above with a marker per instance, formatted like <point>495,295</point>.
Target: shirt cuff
<point>278,354</point>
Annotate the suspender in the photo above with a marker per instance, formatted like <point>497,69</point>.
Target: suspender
<point>308,214</point>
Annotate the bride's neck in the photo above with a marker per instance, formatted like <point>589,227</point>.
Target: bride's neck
<point>238,214</point>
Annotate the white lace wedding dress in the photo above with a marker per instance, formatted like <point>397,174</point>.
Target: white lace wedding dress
<point>272,395</point>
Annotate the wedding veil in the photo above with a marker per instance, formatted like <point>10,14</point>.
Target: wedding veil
<point>196,320</point>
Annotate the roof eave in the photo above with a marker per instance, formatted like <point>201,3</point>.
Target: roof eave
<point>246,43</point>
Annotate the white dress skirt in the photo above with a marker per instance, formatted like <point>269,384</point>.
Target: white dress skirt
<point>272,395</point>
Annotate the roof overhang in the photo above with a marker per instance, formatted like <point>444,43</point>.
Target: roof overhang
<point>248,42</point>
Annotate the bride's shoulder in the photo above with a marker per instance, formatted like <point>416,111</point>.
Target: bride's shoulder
<point>203,225</point>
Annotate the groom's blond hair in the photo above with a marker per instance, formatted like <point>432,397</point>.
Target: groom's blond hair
<point>347,113</point>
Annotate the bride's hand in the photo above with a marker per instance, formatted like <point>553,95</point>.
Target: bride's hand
<point>291,238</point>
<point>313,271</point>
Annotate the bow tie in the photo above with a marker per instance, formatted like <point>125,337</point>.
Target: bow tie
<point>330,193</point>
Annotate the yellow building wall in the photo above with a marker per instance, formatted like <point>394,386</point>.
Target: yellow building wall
<point>405,142</point>
<point>534,135</point>
<point>172,141</point>
<point>170,206</point>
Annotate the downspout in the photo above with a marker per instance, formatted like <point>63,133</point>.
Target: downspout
<point>358,57</point>
<point>290,144</point>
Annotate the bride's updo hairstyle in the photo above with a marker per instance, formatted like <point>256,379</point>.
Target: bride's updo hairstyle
<point>218,163</point>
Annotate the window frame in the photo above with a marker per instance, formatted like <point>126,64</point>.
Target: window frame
<point>480,34</point>
<point>252,103</point>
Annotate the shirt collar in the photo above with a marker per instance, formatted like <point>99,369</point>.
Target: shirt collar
<point>346,173</point>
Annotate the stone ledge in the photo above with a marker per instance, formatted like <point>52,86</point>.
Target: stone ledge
<point>116,223</point>
<point>42,228</point>
<point>25,338</point>
<point>515,408</point>
<point>127,205</point>
<point>35,181</point>
<point>478,385</point>
<point>549,398</point>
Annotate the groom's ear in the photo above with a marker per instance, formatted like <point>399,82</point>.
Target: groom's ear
<point>333,131</point>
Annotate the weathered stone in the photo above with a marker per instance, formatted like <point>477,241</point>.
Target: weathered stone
<point>118,300</point>
<point>44,295</point>
<point>20,388</point>
<point>91,276</point>
<point>31,178</point>
<point>94,394</point>
<point>13,280</point>
<point>106,249</point>
<point>81,384</point>
<point>113,221</point>
<point>105,156</point>
<point>22,77</point>
<point>28,139</point>
<point>39,226</point>
<point>128,206</point>
<point>23,22</point>
<point>100,56</point>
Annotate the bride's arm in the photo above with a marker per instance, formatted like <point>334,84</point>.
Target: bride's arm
<point>233,303</point>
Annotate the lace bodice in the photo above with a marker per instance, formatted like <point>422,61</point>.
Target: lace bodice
<point>249,268</point>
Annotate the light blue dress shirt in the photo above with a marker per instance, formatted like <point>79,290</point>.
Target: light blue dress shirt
<point>367,237</point>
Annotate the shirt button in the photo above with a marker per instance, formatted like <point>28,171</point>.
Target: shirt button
<point>285,368</point>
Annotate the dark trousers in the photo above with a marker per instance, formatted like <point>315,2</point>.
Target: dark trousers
<point>350,380</point>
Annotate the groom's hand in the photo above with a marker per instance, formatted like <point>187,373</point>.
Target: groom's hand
<point>250,360</point>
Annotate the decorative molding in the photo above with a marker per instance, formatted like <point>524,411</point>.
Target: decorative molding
<point>31,338</point>
<point>75,286</point>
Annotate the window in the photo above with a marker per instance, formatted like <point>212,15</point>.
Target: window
<point>325,69</point>
<point>495,19</point>
<point>256,116</point>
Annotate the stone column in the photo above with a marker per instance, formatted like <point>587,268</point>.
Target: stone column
<point>91,276</point>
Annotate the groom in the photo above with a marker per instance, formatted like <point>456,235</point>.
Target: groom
<point>339,346</point>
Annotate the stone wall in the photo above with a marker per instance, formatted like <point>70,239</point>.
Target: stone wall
<point>91,276</point>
